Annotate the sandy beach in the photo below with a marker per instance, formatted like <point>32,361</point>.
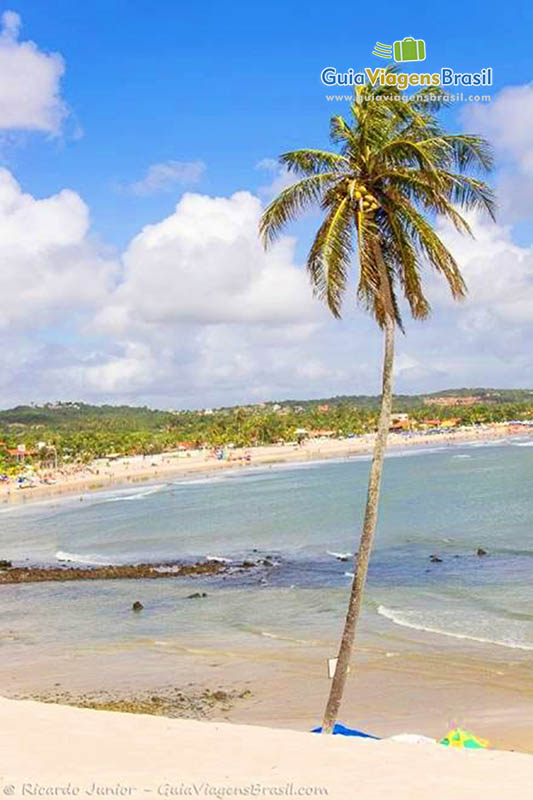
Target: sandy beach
<point>104,473</point>
<point>418,683</point>
<point>59,751</point>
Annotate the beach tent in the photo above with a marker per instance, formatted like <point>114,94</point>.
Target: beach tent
<point>342,730</point>
<point>460,738</point>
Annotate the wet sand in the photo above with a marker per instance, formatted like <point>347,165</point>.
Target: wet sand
<point>422,687</point>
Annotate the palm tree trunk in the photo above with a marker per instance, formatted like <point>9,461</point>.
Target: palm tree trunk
<point>367,535</point>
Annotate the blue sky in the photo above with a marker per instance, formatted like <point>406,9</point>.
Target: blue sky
<point>229,84</point>
<point>224,87</point>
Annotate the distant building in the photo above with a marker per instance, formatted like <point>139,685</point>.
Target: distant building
<point>400,422</point>
<point>451,422</point>
<point>20,452</point>
<point>431,423</point>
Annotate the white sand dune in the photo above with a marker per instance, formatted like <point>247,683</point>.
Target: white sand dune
<point>51,750</point>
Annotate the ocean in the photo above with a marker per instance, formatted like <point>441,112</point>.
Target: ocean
<point>446,501</point>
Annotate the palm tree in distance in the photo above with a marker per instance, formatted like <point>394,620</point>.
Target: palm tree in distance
<point>394,172</point>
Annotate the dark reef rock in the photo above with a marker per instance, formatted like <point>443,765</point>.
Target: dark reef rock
<point>167,569</point>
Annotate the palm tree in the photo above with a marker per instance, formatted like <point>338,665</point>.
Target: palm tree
<point>394,172</point>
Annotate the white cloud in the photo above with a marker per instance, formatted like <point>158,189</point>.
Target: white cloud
<point>281,178</point>
<point>30,96</point>
<point>49,265</point>
<point>498,273</point>
<point>506,122</point>
<point>165,176</point>
<point>198,314</point>
<point>204,264</point>
<point>201,307</point>
<point>484,340</point>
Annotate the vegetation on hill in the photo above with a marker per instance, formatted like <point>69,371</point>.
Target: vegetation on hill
<point>82,432</point>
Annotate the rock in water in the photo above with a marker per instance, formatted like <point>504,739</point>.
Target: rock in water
<point>137,606</point>
<point>196,595</point>
<point>481,552</point>
<point>435,559</point>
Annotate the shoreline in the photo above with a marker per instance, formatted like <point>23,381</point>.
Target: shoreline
<point>420,685</point>
<point>402,681</point>
<point>133,470</point>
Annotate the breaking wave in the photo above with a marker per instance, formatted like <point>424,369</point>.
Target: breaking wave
<point>399,619</point>
<point>95,561</point>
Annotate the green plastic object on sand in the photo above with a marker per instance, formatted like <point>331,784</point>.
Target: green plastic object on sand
<point>457,737</point>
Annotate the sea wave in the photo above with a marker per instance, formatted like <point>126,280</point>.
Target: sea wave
<point>400,619</point>
<point>279,637</point>
<point>137,496</point>
<point>219,559</point>
<point>92,560</point>
<point>339,556</point>
<point>486,443</point>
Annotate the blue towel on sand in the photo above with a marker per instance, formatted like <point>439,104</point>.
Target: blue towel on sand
<point>342,730</point>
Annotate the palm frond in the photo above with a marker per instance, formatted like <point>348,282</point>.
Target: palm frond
<point>432,247</point>
<point>291,202</point>
<point>312,162</point>
<point>395,173</point>
<point>470,151</point>
<point>330,256</point>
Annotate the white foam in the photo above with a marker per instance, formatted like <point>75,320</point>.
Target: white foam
<point>219,559</point>
<point>62,555</point>
<point>276,636</point>
<point>164,570</point>
<point>340,556</point>
<point>137,496</point>
<point>399,619</point>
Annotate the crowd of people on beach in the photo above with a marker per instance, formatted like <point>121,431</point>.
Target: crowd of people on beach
<point>118,469</point>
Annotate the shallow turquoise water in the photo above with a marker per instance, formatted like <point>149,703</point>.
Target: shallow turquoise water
<point>448,501</point>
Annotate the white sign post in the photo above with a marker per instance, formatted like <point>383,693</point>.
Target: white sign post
<point>332,666</point>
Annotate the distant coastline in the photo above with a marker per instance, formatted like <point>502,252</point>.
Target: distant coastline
<point>104,474</point>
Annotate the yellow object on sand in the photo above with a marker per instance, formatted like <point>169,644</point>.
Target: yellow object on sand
<point>457,737</point>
